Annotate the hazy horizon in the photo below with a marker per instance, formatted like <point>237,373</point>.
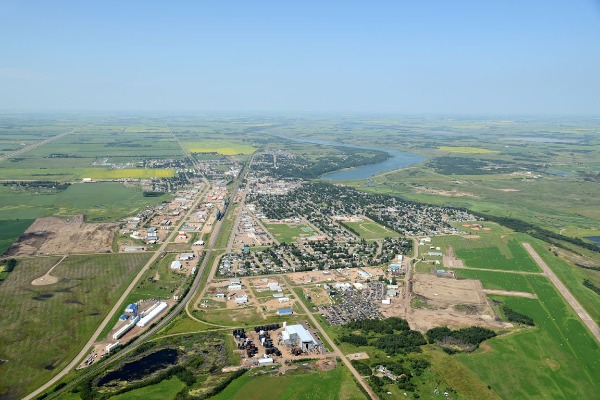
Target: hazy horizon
<point>464,58</point>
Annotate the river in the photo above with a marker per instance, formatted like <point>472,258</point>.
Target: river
<point>398,159</point>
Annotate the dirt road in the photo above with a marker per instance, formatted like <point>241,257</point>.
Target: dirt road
<point>585,317</point>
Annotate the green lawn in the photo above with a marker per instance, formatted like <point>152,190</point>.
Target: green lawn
<point>509,256</point>
<point>44,327</point>
<point>165,390</point>
<point>371,230</point>
<point>336,384</point>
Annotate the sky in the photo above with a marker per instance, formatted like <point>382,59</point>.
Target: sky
<point>403,57</point>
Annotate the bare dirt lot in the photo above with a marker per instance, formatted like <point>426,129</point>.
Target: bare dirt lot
<point>443,301</point>
<point>56,236</point>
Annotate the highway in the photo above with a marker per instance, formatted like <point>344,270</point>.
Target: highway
<point>116,308</point>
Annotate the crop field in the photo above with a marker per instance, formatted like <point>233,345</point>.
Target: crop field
<point>165,390</point>
<point>146,173</point>
<point>466,150</point>
<point>224,147</point>
<point>288,233</point>
<point>556,359</point>
<point>335,384</point>
<point>11,230</point>
<point>371,230</point>
<point>97,201</point>
<point>44,327</point>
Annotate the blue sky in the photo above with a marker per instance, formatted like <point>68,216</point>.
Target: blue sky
<point>405,57</point>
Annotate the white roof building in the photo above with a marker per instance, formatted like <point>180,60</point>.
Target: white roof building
<point>186,256</point>
<point>176,265</point>
<point>298,335</point>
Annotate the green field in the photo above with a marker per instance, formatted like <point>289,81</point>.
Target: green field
<point>493,250</point>
<point>96,201</point>
<point>158,282</point>
<point>557,359</point>
<point>224,147</point>
<point>337,384</point>
<point>11,230</point>
<point>165,390</point>
<point>371,230</point>
<point>288,233</point>
<point>44,327</point>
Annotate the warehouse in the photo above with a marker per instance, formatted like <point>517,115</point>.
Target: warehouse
<point>285,311</point>
<point>299,336</point>
<point>176,265</point>
<point>121,332</point>
<point>152,314</point>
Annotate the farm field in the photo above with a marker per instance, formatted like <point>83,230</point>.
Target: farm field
<point>45,326</point>
<point>165,390</point>
<point>288,233</point>
<point>11,230</point>
<point>96,201</point>
<point>335,384</point>
<point>466,150</point>
<point>220,146</point>
<point>369,229</point>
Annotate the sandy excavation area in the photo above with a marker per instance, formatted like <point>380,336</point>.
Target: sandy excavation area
<point>52,235</point>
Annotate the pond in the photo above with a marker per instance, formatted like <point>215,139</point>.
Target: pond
<point>141,368</point>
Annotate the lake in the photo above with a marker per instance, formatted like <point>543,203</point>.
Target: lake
<point>595,239</point>
<point>398,159</point>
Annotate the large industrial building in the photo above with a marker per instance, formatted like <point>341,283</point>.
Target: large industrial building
<point>151,314</point>
<point>298,336</point>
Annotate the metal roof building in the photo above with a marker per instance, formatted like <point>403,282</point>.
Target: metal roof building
<point>298,335</point>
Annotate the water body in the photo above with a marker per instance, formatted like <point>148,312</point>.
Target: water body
<point>398,159</point>
<point>561,173</point>
<point>595,239</point>
<point>141,368</point>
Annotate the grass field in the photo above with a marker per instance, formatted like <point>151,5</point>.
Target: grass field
<point>497,249</point>
<point>97,201</point>
<point>337,384</point>
<point>288,233</point>
<point>466,150</point>
<point>557,359</point>
<point>44,327</point>
<point>165,390</point>
<point>371,230</point>
<point>224,147</point>
<point>11,230</point>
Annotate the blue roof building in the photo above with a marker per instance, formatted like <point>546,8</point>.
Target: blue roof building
<point>285,311</point>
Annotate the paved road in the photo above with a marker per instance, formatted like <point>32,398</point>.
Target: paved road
<point>585,317</point>
<point>84,351</point>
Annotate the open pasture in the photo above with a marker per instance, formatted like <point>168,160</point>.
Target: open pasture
<point>368,229</point>
<point>11,230</point>
<point>556,359</point>
<point>165,390</point>
<point>335,384</point>
<point>466,150</point>
<point>44,327</point>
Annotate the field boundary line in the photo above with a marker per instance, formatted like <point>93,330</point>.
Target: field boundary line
<point>583,315</point>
